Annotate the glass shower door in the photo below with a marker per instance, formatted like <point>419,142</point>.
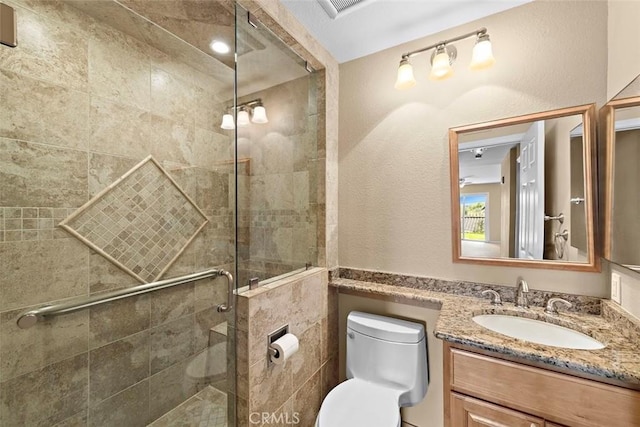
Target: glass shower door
<point>114,172</point>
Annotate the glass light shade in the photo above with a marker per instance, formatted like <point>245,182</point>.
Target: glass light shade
<point>405,78</point>
<point>441,66</point>
<point>227,122</point>
<point>259,115</point>
<point>482,56</point>
<point>243,118</point>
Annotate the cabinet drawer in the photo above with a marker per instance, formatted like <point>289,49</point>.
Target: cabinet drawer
<point>469,412</point>
<point>556,397</point>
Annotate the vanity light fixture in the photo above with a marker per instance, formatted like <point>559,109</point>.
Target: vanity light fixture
<point>255,107</point>
<point>443,57</point>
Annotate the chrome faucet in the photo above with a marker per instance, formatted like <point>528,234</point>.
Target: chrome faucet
<point>495,296</point>
<point>522,299</point>
<point>552,307</point>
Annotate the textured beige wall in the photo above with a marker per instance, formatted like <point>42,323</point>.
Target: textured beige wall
<point>429,412</point>
<point>623,44</point>
<point>394,168</point>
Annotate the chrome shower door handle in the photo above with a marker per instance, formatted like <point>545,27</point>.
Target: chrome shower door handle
<point>223,308</point>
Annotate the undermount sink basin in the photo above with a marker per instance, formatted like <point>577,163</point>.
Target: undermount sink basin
<point>537,332</point>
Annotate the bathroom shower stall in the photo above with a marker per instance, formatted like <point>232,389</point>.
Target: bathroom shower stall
<point>128,206</point>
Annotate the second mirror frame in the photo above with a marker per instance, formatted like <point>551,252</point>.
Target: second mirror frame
<point>588,113</point>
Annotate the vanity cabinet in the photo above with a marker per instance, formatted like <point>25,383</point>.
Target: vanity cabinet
<point>480,390</point>
<point>469,412</point>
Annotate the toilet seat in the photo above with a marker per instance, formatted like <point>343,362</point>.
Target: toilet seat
<point>358,403</point>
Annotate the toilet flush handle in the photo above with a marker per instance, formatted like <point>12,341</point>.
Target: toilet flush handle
<point>351,335</point>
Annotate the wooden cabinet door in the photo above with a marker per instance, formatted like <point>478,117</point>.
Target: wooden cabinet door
<point>469,412</point>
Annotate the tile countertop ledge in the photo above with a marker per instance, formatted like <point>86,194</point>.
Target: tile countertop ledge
<point>618,363</point>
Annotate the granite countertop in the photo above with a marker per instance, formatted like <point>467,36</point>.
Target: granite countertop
<point>618,362</point>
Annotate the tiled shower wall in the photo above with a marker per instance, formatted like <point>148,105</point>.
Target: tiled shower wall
<point>81,103</point>
<point>295,389</point>
<point>278,187</point>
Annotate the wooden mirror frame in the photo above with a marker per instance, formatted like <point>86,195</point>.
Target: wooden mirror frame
<point>608,116</point>
<point>588,113</point>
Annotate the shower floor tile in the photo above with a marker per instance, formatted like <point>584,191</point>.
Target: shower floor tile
<point>208,408</point>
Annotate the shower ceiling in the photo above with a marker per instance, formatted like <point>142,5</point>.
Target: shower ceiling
<point>184,30</point>
<point>373,25</point>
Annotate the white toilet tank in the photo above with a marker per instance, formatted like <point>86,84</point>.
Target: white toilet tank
<point>389,352</point>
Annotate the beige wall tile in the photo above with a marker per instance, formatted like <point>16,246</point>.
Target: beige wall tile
<point>119,129</point>
<point>116,366</point>
<point>209,293</point>
<point>205,320</point>
<point>270,385</point>
<point>301,190</point>
<point>330,375</point>
<point>308,301</point>
<point>77,420</point>
<point>169,388</point>
<point>211,148</point>
<point>119,67</point>
<point>307,360</point>
<point>29,269</point>
<point>279,191</point>
<point>129,407</point>
<point>118,319</point>
<point>172,140</point>
<point>49,51</point>
<point>104,275</point>
<point>50,341</point>
<point>30,175</point>
<point>46,396</point>
<point>171,343</point>
<point>307,400</point>
<point>23,98</point>
<point>172,303</point>
<point>171,97</point>
<point>278,243</point>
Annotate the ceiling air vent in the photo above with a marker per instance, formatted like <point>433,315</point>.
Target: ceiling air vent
<point>335,8</point>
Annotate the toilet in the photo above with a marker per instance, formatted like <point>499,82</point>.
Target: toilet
<point>386,369</point>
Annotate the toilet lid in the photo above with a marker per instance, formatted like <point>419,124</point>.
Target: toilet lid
<point>357,403</point>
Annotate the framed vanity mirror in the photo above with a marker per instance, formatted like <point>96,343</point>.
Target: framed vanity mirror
<point>523,192</point>
<point>621,176</point>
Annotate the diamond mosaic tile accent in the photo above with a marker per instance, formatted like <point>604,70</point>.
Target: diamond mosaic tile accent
<point>141,223</point>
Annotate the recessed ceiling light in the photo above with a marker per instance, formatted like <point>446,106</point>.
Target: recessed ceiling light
<point>219,47</point>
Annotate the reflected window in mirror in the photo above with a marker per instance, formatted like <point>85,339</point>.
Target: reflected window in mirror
<point>622,204</point>
<point>524,193</point>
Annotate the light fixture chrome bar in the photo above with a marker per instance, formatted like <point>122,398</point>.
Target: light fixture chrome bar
<point>250,104</point>
<point>413,53</point>
<point>30,318</point>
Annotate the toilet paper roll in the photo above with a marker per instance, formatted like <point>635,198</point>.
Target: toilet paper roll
<point>285,347</point>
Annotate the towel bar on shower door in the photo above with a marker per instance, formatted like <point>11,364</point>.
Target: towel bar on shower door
<point>30,318</point>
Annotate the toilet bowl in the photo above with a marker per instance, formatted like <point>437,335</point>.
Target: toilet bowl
<point>386,369</point>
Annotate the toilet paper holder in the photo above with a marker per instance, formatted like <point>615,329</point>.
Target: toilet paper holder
<point>272,337</point>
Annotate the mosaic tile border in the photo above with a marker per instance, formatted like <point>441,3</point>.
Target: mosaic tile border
<point>32,223</point>
<point>119,229</point>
